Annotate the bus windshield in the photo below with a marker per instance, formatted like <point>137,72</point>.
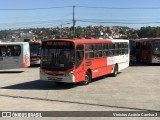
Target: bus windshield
<point>55,57</point>
<point>34,50</point>
<point>156,47</point>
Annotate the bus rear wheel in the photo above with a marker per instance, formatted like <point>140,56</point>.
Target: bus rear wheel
<point>87,79</point>
<point>115,72</point>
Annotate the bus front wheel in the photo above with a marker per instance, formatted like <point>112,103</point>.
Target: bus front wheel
<point>87,79</point>
<point>115,72</point>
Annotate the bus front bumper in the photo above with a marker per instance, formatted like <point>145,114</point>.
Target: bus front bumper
<point>66,78</point>
<point>35,62</point>
<point>155,59</point>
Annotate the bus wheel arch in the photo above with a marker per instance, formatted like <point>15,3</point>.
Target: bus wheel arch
<point>88,77</point>
<point>115,70</point>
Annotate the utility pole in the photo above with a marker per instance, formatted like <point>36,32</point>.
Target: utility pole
<point>74,22</point>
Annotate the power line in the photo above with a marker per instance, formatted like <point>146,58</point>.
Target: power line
<point>36,8</point>
<point>118,22</point>
<point>36,24</point>
<point>92,7</point>
<point>80,20</point>
<point>118,7</point>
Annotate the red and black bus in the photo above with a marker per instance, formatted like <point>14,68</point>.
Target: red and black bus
<point>35,52</point>
<point>148,50</point>
<point>81,60</point>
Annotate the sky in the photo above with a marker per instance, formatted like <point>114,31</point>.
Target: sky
<point>56,13</point>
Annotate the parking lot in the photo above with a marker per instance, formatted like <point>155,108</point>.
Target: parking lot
<point>135,88</point>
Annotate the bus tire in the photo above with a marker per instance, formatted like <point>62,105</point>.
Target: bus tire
<point>115,72</point>
<point>87,78</point>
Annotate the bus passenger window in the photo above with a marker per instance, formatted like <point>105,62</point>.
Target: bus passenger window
<point>3,52</point>
<point>17,50</point>
<point>98,50</point>
<point>104,54</point>
<point>89,51</point>
<point>9,53</point>
<point>13,50</point>
<point>156,51</point>
<point>105,50</point>
<point>110,53</point>
<point>80,55</point>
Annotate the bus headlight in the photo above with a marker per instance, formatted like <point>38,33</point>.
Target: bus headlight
<point>69,74</point>
<point>66,75</point>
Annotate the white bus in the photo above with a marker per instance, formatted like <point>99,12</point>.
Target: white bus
<point>121,53</point>
<point>14,55</point>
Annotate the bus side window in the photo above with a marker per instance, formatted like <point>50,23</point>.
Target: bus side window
<point>116,49</point>
<point>13,50</point>
<point>126,48</point>
<point>98,50</point>
<point>79,55</point>
<point>105,50</point>
<point>89,51</point>
<point>3,51</point>
<point>9,51</point>
<point>110,51</point>
<point>122,48</point>
<point>17,50</point>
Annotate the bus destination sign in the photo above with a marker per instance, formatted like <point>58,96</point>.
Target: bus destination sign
<point>58,43</point>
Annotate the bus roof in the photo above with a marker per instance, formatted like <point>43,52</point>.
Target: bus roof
<point>119,40</point>
<point>146,39</point>
<point>36,42</point>
<point>13,43</point>
<point>92,40</point>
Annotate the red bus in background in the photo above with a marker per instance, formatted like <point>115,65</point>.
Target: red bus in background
<point>81,60</point>
<point>148,50</point>
<point>34,51</point>
<point>132,44</point>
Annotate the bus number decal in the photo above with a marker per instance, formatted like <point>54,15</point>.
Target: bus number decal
<point>26,58</point>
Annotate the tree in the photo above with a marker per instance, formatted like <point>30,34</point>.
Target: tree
<point>149,32</point>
